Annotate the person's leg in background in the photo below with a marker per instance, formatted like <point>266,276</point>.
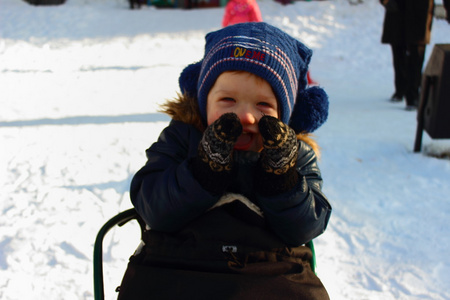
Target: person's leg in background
<point>400,71</point>
<point>415,59</point>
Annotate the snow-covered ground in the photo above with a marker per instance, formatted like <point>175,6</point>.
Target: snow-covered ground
<point>80,86</point>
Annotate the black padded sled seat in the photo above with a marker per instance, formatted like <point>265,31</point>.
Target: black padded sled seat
<point>120,220</point>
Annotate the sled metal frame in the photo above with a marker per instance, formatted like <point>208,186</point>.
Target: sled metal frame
<point>120,220</point>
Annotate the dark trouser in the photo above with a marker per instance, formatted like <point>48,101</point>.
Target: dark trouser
<point>408,62</point>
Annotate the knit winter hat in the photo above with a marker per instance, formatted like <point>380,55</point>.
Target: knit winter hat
<point>269,53</point>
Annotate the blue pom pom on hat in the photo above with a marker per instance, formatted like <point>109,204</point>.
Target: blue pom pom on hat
<point>269,53</point>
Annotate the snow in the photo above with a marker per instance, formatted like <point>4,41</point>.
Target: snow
<point>80,86</point>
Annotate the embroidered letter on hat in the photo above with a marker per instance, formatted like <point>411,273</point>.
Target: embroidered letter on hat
<point>251,54</point>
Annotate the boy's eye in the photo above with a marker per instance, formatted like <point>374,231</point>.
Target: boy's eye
<point>227,99</point>
<point>265,104</point>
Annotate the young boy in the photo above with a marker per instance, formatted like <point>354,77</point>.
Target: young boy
<point>232,189</point>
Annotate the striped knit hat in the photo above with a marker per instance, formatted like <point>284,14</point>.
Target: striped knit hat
<point>269,53</point>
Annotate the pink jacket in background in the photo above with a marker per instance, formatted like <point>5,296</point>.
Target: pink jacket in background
<point>241,11</point>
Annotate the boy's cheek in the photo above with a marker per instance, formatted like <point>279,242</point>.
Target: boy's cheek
<point>213,116</point>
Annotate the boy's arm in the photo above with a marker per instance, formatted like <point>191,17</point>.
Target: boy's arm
<point>213,166</point>
<point>289,185</point>
<point>164,191</point>
<point>301,214</point>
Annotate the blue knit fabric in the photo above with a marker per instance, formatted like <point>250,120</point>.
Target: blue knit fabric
<point>267,52</point>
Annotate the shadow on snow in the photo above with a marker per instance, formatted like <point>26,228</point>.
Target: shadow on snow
<point>81,120</point>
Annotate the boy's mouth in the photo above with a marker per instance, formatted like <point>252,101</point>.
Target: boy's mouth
<point>244,141</point>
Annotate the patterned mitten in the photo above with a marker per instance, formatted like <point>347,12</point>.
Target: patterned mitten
<point>277,172</point>
<point>213,165</point>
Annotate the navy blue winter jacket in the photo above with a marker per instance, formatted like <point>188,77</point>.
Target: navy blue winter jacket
<point>168,197</point>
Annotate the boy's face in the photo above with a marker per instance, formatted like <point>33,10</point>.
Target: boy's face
<point>249,97</point>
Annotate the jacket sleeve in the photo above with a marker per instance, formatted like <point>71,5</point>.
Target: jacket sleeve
<point>227,14</point>
<point>301,214</point>
<point>255,13</point>
<point>164,192</point>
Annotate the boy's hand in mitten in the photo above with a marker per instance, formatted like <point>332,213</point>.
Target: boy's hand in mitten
<point>278,159</point>
<point>213,166</point>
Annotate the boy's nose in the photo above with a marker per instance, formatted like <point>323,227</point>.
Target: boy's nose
<point>248,117</point>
